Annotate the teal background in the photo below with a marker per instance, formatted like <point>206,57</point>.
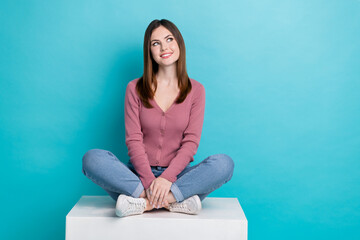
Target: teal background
<point>282,99</point>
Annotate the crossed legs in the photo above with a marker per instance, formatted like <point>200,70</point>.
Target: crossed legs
<point>105,170</point>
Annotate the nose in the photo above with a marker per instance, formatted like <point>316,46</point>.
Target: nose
<point>164,46</point>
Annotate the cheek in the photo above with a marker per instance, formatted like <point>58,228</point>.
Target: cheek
<point>175,47</point>
<point>153,52</point>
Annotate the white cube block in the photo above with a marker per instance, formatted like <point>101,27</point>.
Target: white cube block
<point>94,218</point>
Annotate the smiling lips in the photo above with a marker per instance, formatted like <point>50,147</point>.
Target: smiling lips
<point>165,55</point>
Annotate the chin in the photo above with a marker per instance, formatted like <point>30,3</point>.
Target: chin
<point>167,64</point>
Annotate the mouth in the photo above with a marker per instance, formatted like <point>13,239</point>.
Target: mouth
<point>165,55</point>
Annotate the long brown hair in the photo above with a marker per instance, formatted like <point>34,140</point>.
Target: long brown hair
<point>143,86</point>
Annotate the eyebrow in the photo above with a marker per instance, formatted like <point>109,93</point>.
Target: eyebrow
<point>164,38</point>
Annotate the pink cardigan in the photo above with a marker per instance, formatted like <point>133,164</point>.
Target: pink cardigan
<point>157,138</point>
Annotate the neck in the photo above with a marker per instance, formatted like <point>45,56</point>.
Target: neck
<point>167,75</point>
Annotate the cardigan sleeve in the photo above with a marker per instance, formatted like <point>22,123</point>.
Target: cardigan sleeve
<point>134,137</point>
<point>191,137</point>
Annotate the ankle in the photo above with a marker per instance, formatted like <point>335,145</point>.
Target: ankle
<point>170,198</point>
<point>148,205</point>
<point>143,194</point>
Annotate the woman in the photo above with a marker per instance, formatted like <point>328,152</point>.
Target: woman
<point>164,112</point>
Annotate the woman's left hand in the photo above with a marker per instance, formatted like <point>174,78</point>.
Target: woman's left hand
<point>160,188</point>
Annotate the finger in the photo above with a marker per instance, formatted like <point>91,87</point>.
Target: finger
<point>151,188</point>
<point>158,203</point>
<point>162,198</point>
<point>148,194</point>
<point>153,195</point>
<point>165,198</point>
<point>152,192</point>
<point>156,199</point>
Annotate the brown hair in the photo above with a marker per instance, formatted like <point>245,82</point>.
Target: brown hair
<point>143,86</point>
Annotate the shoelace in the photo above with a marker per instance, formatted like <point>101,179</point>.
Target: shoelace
<point>136,206</point>
<point>183,207</point>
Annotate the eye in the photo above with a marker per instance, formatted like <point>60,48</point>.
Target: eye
<point>154,43</point>
<point>170,38</point>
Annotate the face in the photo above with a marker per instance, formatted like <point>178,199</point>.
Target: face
<point>164,48</point>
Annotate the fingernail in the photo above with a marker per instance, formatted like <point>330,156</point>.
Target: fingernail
<point>157,206</point>
<point>150,202</point>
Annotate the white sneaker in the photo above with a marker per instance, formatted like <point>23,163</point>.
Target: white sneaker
<point>191,205</point>
<point>126,206</point>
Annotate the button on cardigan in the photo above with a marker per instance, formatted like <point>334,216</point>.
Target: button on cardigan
<point>167,139</point>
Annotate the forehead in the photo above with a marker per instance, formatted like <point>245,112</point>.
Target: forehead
<point>160,33</point>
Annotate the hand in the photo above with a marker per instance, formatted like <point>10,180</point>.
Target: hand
<point>148,194</point>
<point>159,189</point>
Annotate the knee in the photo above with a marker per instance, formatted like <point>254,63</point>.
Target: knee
<point>225,164</point>
<point>90,159</point>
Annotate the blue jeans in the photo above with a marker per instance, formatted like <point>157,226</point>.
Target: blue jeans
<point>104,169</point>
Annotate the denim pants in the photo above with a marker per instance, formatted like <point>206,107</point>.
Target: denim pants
<point>104,169</point>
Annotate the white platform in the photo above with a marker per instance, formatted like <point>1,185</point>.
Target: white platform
<point>94,218</point>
